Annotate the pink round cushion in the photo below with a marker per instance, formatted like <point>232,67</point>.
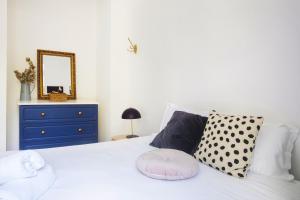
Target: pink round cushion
<point>167,164</point>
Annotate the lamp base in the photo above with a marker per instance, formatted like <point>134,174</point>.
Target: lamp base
<point>131,136</point>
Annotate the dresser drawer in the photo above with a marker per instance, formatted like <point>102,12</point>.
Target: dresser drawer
<point>58,113</point>
<point>48,131</point>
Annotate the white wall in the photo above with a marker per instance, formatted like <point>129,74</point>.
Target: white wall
<point>103,67</point>
<point>233,56</point>
<point>3,68</point>
<point>229,55</point>
<point>63,25</point>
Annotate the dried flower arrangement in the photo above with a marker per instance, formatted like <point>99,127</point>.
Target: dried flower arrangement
<point>28,76</point>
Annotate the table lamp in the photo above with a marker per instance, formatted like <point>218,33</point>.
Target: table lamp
<point>131,113</point>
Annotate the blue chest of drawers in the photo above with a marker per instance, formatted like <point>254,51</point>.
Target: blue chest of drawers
<point>45,126</point>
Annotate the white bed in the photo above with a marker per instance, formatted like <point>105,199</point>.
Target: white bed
<point>107,171</point>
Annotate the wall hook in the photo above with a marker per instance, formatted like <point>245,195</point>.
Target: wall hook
<point>133,47</point>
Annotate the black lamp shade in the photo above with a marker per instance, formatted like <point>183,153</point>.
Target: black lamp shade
<point>131,113</point>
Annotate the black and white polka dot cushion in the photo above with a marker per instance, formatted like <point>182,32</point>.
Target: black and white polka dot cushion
<point>228,142</point>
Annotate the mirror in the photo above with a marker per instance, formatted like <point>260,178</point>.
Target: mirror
<point>56,73</point>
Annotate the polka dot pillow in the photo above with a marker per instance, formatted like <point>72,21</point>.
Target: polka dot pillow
<point>228,142</point>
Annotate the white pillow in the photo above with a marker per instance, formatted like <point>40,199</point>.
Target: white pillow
<point>171,108</point>
<point>273,151</point>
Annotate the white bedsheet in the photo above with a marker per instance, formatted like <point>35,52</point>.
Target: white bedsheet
<point>107,171</point>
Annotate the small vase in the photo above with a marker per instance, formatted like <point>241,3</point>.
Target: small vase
<point>25,94</point>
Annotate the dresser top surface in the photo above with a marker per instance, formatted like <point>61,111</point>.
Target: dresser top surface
<point>47,102</point>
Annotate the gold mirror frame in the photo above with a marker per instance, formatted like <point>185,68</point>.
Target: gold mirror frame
<point>40,54</point>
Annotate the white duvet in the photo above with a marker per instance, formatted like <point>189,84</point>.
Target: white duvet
<point>107,171</point>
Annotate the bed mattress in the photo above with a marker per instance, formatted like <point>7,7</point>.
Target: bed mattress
<point>107,171</point>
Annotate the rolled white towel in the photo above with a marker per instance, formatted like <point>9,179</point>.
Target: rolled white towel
<point>29,188</point>
<point>14,167</point>
<point>23,164</point>
<point>35,158</point>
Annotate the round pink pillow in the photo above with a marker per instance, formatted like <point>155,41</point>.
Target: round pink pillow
<point>167,164</point>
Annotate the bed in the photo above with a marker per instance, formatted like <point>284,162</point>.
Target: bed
<point>107,171</point>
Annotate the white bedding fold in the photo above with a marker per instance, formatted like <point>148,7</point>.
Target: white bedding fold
<point>23,164</point>
<point>28,188</point>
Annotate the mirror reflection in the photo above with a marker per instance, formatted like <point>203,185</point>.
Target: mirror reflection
<point>57,74</point>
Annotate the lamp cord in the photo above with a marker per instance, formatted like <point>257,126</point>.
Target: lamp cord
<point>131,127</point>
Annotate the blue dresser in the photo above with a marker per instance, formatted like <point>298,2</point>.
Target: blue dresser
<point>55,125</point>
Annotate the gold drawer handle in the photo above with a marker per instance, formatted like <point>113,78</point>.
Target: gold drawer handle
<point>43,132</point>
<point>43,114</point>
<point>80,130</point>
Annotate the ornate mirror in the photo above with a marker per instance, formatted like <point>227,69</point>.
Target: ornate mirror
<point>56,73</point>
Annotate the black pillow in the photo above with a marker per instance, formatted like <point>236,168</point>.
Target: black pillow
<point>183,132</point>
